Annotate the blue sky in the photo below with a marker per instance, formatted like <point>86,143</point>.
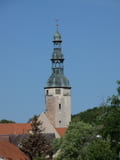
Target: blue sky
<point>90,31</point>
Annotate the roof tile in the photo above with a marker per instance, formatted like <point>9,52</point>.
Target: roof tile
<point>11,152</point>
<point>61,131</point>
<point>14,128</point>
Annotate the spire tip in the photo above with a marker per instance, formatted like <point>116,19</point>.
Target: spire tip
<point>57,24</point>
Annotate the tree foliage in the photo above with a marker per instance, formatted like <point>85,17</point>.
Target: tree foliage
<point>93,134</point>
<point>92,116</point>
<point>96,115</point>
<point>6,121</point>
<point>75,141</point>
<point>115,99</point>
<point>100,150</point>
<point>35,144</point>
<point>43,157</point>
<point>56,144</point>
<point>111,123</point>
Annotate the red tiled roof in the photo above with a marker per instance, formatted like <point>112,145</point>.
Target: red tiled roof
<point>61,131</point>
<point>21,128</point>
<point>11,152</point>
<point>14,128</point>
<point>4,138</point>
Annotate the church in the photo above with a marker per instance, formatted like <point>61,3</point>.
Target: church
<point>57,115</point>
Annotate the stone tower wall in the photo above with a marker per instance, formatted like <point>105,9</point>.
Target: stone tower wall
<point>58,106</point>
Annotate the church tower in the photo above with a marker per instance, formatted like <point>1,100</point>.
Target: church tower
<point>57,89</point>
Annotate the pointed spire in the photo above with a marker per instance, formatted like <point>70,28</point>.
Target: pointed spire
<point>57,78</point>
<point>57,37</point>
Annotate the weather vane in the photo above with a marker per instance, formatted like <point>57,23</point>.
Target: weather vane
<point>57,20</point>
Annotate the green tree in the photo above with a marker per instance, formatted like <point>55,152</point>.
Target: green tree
<point>35,144</point>
<point>100,150</point>
<point>80,141</point>
<point>111,128</point>
<point>43,157</point>
<point>115,99</point>
<point>92,116</point>
<point>6,121</point>
<point>56,144</point>
<point>75,141</point>
<point>111,122</point>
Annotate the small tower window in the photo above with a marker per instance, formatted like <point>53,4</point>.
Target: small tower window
<point>57,91</point>
<point>47,92</point>
<point>60,121</point>
<point>59,106</point>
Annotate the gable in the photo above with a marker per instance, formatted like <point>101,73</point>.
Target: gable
<point>47,126</point>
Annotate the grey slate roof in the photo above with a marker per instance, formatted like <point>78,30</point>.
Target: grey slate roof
<point>57,78</point>
<point>57,81</point>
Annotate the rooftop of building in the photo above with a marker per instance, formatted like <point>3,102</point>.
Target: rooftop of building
<point>21,128</point>
<point>61,131</point>
<point>8,151</point>
<point>14,128</point>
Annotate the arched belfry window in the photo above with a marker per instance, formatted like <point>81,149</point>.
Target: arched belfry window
<point>57,65</point>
